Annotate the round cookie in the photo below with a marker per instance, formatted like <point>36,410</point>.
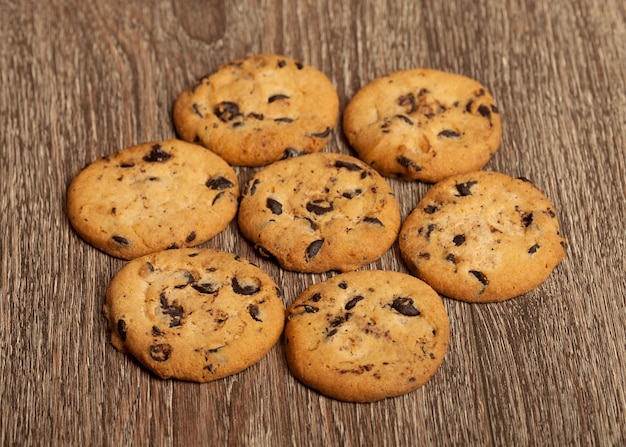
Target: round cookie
<point>367,335</point>
<point>319,212</point>
<point>153,196</point>
<point>482,237</point>
<point>259,109</point>
<point>194,314</point>
<point>423,124</point>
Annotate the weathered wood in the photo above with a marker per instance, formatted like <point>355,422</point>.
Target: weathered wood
<point>80,79</point>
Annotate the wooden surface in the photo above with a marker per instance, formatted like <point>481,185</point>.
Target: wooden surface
<point>80,79</point>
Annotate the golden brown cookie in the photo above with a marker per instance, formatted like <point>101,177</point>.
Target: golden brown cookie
<point>259,109</point>
<point>367,335</point>
<point>319,212</point>
<point>423,124</point>
<point>153,196</point>
<point>482,237</point>
<point>194,314</point>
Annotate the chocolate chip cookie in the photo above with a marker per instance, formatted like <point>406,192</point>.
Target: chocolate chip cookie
<point>153,196</point>
<point>482,237</point>
<point>367,335</point>
<point>259,109</point>
<point>423,124</point>
<point>194,314</point>
<point>319,212</point>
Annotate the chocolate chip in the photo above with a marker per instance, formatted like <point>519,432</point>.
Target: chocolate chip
<point>258,116</point>
<point>127,164</point>
<point>157,155</point>
<point>350,304</point>
<point>406,119</point>
<point>278,97</point>
<point>315,297</point>
<point>527,219</point>
<point>266,253</point>
<point>283,120</point>
<point>408,163</point>
<point>331,333</point>
<point>219,183</point>
<point>342,285</point>
<point>429,229</point>
<point>250,187</point>
<point>156,332</point>
<point>206,287</point>
<point>319,207</point>
<point>322,134</point>
<point>281,63</point>
<point>425,256</point>
<point>352,194</point>
<point>291,152</point>
<point>533,249</point>
<point>160,352</point>
<point>407,100</point>
<point>313,249</point>
<point>253,310</point>
<point>173,311</point>
<point>227,111</point>
<point>189,279</point>
<point>299,65</point>
<point>451,258</point>
<point>459,239</point>
<point>494,109</point>
<point>339,320</point>
<point>347,165</point>
<point>274,205</point>
<point>191,236</point>
<point>468,107</point>
<point>480,277</point>
<point>373,220</point>
<point>308,308</point>
<point>121,240</point>
<point>121,329</point>
<point>464,189</point>
<point>217,197</point>
<point>196,110</point>
<point>405,306</point>
<point>449,133</point>
<point>246,289</point>
<point>484,111</point>
<point>430,209</point>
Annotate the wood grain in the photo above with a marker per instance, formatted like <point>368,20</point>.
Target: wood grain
<point>80,79</point>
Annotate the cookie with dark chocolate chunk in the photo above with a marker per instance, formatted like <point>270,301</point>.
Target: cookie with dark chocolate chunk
<point>367,335</point>
<point>259,109</point>
<point>482,237</point>
<point>194,314</point>
<point>319,212</point>
<point>151,197</point>
<point>423,124</point>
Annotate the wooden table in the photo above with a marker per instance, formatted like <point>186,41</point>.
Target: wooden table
<point>80,79</point>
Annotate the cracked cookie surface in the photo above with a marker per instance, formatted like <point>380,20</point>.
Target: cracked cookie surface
<point>151,197</point>
<point>319,212</point>
<point>194,314</point>
<point>367,335</point>
<point>482,237</point>
<point>423,124</point>
<point>256,110</point>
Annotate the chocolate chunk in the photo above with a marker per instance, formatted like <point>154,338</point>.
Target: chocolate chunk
<point>283,120</point>
<point>322,134</point>
<point>408,101</point>
<point>464,189</point>
<point>206,287</point>
<point>339,320</point>
<point>430,209</point>
<point>278,97</point>
<point>347,165</point>
<point>281,64</point>
<point>313,249</point>
<point>373,220</point>
<point>227,111</point>
<point>308,308</point>
<point>331,332</point>
<point>275,206</point>
<point>480,277</point>
<point>429,229</point>
<point>408,163</point>
<point>342,285</point>
<point>533,249</point>
<point>449,133</point>
<point>405,306</point>
<point>121,329</point>
<point>245,289</point>
<point>191,236</point>
<point>315,297</point>
<point>319,207</point>
<point>219,183</point>
<point>160,352</point>
<point>253,310</point>
<point>459,239</point>
<point>406,119</point>
<point>127,164</point>
<point>350,304</point>
<point>468,107</point>
<point>484,111</point>
<point>173,311</point>
<point>121,240</point>
<point>527,219</point>
<point>157,155</point>
<point>299,65</point>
